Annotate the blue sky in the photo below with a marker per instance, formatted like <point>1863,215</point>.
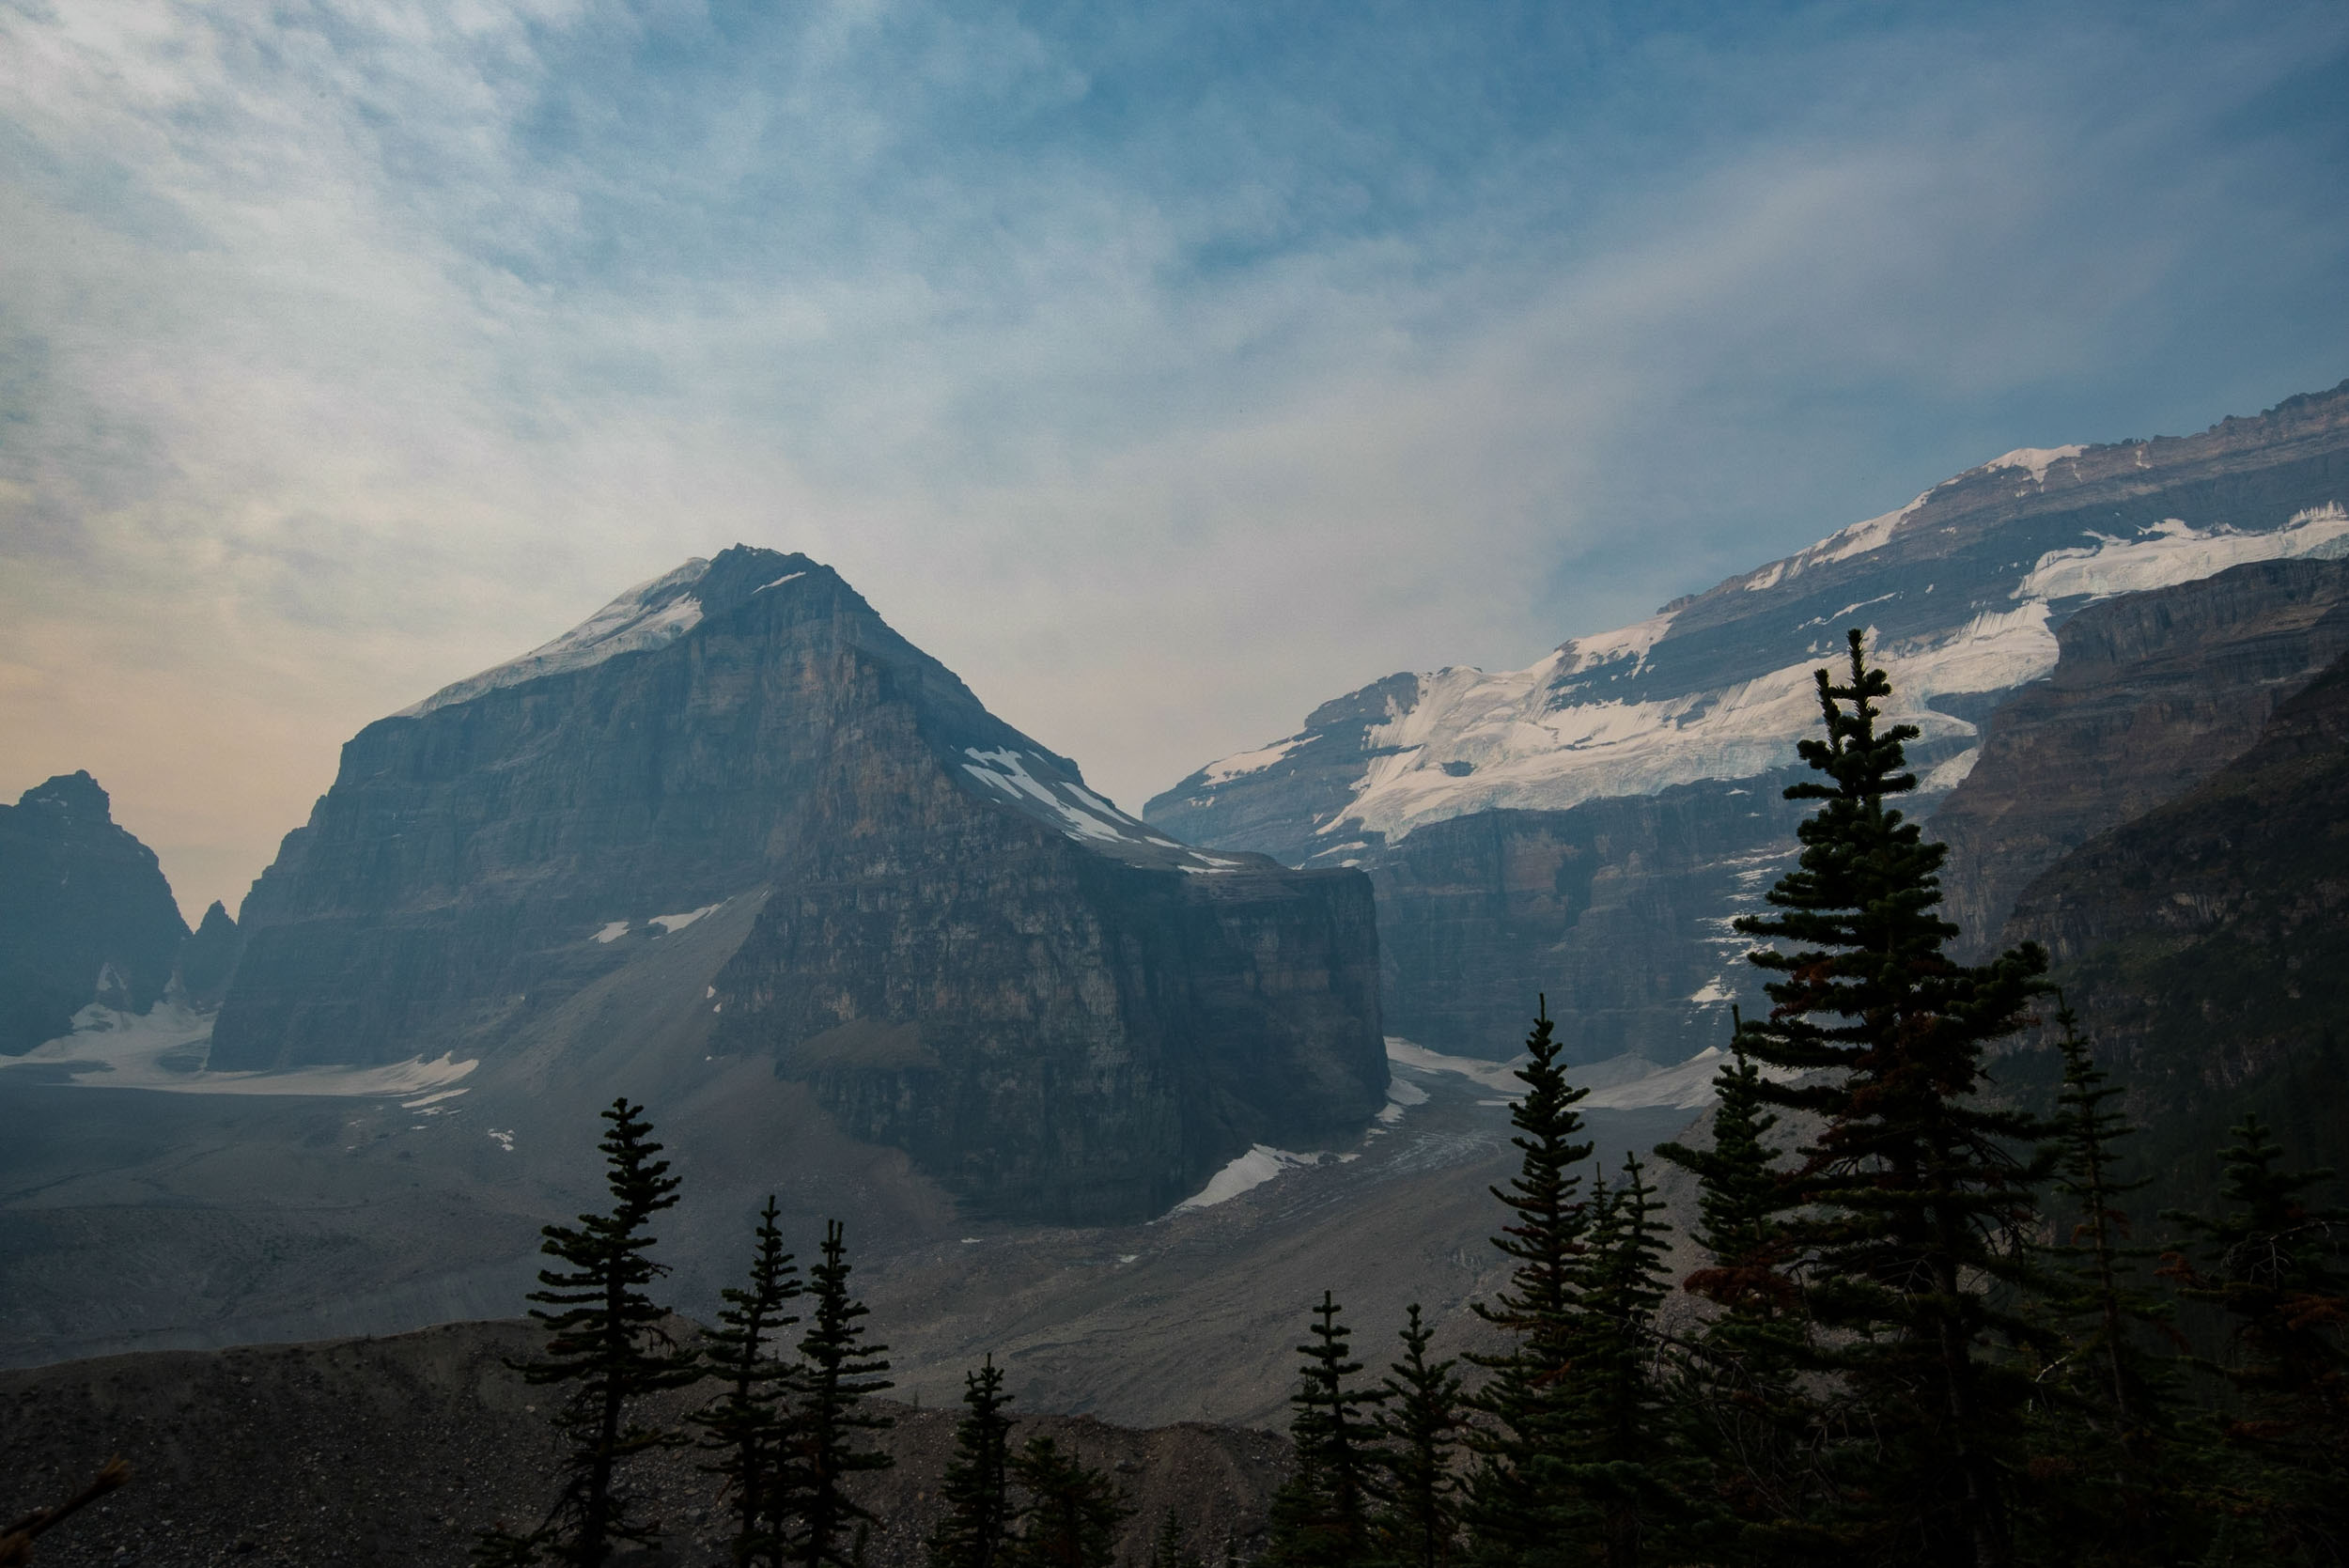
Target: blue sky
<point>1165,370</point>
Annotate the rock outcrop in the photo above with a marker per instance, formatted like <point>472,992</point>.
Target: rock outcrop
<point>2205,947</point>
<point>1618,910</point>
<point>1059,1012</point>
<point>2152,693</point>
<point>209,958</point>
<point>1964,592</point>
<point>85,914</point>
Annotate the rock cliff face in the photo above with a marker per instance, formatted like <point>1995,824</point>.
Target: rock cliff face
<point>84,913</point>
<point>1057,1011</point>
<point>2152,693</point>
<point>1964,592</point>
<point>2205,945</point>
<point>209,958</point>
<point>1617,909</point>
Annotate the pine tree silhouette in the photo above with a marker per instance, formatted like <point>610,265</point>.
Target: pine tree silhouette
<point>2111,1463</point>
<point>2277,1267</point>
<point>1071,1515</point>
<point>1321,1516</point>
<point>840,1371</point>
<point>1521,1505</point>
<point>976,1489</point>
<point>748,1424</point>
<point>1171,1546</point>
<point>1747,1410</point>
<point>1625,1462</point>
<point>1418,1523</point>
<point>605,1339</point>
<point>1916,1206</point>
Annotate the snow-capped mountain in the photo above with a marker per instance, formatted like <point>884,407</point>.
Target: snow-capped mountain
<point>1962,592</point>
<point>734,814</point>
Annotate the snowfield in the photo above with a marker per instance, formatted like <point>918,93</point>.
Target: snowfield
<point>1474,740</point>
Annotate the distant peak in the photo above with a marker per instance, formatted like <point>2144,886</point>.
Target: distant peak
<point>651,615</point>
<point>75,794</point>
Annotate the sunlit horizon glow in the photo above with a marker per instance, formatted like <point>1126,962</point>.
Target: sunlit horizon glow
<point>1162,375</point>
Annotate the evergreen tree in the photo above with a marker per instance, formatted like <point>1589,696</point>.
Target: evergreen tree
<point>1520,1506</point>
<point>977,1489</point>
<point>2112,1486</point>
<point>1071,1515</point>
<point>604,1339</point>
<point>1320,1518</point>
<point>1170,1547</point>
<point>1418,1523</point>
<point>1624,1463</point>
<point>839,1371</point>
<point>1916,1207</point>
<point>748,1424</point>
<point>2277,1268</point>
<point>1746,1409</point>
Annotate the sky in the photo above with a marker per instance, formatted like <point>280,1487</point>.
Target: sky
<point>1165,369</point>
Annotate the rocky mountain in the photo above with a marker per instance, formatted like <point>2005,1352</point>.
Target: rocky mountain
<point>209,957</point>
<point>85,915</point>
<point>2204,945</point>
<point>894,897</point>
<point>1964,592</point>
<point>2152,693</point>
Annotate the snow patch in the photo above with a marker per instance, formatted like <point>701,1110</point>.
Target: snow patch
<point>1949,774</point>
<point>787,576</point>
<point>1251,1171</point>
<point>649,615</point>
<point>112,1050</point>
<point>612,931</point>
<point>1862,537</point>
<point>1401,1096</point>
<point>2034,461</point>
<point>1582,654</point>
<point>1250,762</point>
<point>1502,1076</point>
<point>1712,991</point>
<point>1078,813</point>
<point>671,925</point>
<point>2174,551</point>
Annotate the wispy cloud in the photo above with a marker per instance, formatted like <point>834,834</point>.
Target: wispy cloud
<point>1162,376</point>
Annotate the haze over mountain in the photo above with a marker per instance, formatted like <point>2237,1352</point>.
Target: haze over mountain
<point>1163,375</point>
<point>85,914</point>
<point>1592,823</point>
<point>734,846</point>
<point>1058,1011</point>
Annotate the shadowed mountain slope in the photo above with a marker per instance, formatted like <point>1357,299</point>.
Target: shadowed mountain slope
<point>1058,1011</point>
<point>84,913</point>
<point>1626,774</point>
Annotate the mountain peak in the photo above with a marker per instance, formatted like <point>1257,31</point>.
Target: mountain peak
<point>76,793</point>
<point>651,615</point>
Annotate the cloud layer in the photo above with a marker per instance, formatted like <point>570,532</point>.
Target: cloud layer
<point>1162,376</point>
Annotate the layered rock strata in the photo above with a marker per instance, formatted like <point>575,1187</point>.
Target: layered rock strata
<point>2205,948</point>
<point>1964,592</point>
<point>1060,1012</point>
<point>2152,693</point>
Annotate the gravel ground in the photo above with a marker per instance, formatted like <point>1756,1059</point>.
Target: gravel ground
<point>395,1450</point>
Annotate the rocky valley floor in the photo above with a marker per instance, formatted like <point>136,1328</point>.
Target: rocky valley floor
<point>138,1219</point>
<point>395,1450</point>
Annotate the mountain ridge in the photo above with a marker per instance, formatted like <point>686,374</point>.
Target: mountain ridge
<point>1057,1009</point>
<point>1590,825</point>
<point>1716,684</point>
